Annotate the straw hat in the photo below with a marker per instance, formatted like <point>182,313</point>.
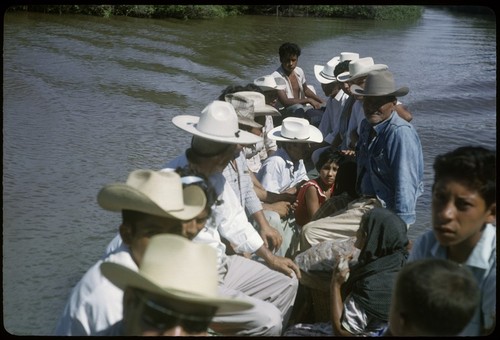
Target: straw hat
<point>218,122</point>
<point>360,68</point>
<point>269,83</point>
<point>296,130</point>
<point>244,108</point>
<point>348,56</point>
<point>380,84</point>
<point>324,73</point>
<point>179,269</point>
<point>154,192</point>
<point>260,108</point>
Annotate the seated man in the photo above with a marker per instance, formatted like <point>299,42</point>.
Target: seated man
<point>271,287</point>
<point>298,97</point>
<point>285,170</point>
<point>174,293</point>
<point>151,203</point>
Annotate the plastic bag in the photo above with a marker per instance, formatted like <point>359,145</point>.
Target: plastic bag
<point>323,256</point>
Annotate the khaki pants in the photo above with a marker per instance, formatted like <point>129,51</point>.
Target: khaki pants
<point>341,225</point>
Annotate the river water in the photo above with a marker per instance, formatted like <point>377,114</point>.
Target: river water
<point>87,100</point>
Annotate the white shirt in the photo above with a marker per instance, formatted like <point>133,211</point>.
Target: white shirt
<point>329,125</point>
<point>279,173</point>
<point>95,303</point>
<point>228,219</point>
<point>258,152</point>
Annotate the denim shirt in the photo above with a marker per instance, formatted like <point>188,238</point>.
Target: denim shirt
<point>391,166</point>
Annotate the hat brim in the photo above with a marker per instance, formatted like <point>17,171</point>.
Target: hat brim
<point>189,123</point>
<point>358,90</point>
<point>319,75</point>
<point>267,110</point>
<point>120,196</point>
<point>346,76</point>
<point>122,277</point>
<point>315,136</point>
<point>249,122</point>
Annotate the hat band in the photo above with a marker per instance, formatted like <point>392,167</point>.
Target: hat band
<point>327,76</point>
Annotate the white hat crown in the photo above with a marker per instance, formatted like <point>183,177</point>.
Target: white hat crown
<point>270,82</point>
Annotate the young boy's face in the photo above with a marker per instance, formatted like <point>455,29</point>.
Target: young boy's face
<point>289,63</point>
<point>328,172</point>
<point>459,213</point>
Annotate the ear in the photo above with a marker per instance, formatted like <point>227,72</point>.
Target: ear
<point>492,213</point>
<point>126,233</point>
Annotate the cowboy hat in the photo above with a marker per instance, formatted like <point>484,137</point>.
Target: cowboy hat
<point>154,192</point>
<point>176,268</point>
<point>380,84</point>
<point>244,108</point>
<point>269,83</point>
<point>296,130</point>
<point>360,68</point>
<point>324,74</point>
<point>218,122</point>
<point>348,56</point>
<point>260,108</point>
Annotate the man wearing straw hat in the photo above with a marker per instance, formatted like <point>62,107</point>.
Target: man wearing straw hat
<point>389,164</point>
<point>150,202</point>
<point>272,288</point>
<point>174,293</point>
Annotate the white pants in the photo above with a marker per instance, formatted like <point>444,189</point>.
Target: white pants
<point>271,292</point>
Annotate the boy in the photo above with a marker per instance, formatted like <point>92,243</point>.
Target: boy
<point>463,218</point>
<point>432,297</point>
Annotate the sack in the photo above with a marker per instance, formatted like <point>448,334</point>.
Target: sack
<point>324,255</point>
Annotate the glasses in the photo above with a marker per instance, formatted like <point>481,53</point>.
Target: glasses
<point>162,318</point>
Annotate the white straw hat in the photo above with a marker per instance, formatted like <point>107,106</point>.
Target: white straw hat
<point>348,56</point>
<point>154,192</point>
<point>260,108</point>
<point>244,108</point>
<point>324,73</point>
<point>218,122</point>
<point>380,84</point>
<point>296,130</point>
<point>360,68</point>
<point>269,82</point>
<point>179,269</point>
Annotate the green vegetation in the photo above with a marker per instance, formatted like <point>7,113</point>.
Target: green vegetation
<point>218,11</point>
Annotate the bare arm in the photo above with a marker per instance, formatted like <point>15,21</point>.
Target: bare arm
<point>403,112</point>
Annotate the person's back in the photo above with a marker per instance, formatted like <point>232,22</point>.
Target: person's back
<point>464,224</point>
<point>432,297</point>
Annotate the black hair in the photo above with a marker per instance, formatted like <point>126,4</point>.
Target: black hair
<point>288,49</point>
<point>329,156</point>
<point>341,67</point>
<point>474,165</point>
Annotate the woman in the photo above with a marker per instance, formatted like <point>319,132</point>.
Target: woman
<point>361,295</point>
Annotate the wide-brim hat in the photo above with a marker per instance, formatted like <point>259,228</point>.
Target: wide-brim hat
<point>270,82</point>
<point>296,130</point>
<point>244,108</point>
<point>218,122</point>
<point>348,56</point>
<point>379,84</point>
<point>179,269</point>
<point>360,68</point>
<point>260,108</point>
<point>154,192</point>
<point>325,73</point>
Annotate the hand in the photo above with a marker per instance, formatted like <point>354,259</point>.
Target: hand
<point>284,265</point>
<point>281,207</point>
<point>271,237</point>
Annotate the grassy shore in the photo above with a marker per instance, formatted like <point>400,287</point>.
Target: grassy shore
<point>186,12</point>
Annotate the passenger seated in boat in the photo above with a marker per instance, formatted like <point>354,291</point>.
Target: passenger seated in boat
<point>174,291</point>
<point>151,202</point>
<point>285,170</point>
<point>432,297</point>
<point>316,191</point>
<point>298,97</point>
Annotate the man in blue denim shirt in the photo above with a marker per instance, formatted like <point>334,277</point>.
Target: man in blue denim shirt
<point>389,164</point>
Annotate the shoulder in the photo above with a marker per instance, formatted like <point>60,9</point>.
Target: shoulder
<point>424,246</point>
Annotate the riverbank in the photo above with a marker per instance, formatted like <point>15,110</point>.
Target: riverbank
<point>186,12</point>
